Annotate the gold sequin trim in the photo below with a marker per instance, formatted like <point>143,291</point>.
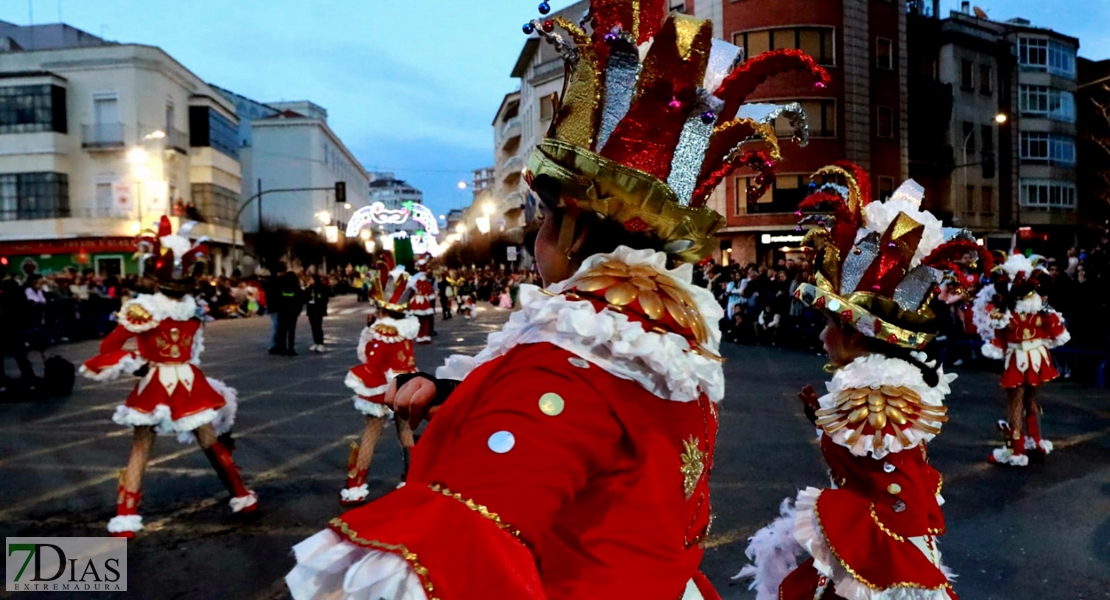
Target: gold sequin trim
<point>478,508</point>
<point>852,572</point>
<point>398,549</point>
<point>875,518</point>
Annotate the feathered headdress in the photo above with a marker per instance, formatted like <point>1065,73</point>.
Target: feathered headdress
<point>177,260</point>
<point>652,118</point>
<point>879,263</point>
<point>393,297</point>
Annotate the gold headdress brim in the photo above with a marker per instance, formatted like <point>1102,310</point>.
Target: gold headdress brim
<point>861,310</point>
<point>633,198</point>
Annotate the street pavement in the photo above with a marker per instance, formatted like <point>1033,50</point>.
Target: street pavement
<point>1013,534</point>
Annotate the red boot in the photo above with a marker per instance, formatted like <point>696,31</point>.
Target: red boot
<point>127,520</point>
<point>243,500</point>
<point>1033,441</point>
<point>356,491</point>
<point>1013,453</point>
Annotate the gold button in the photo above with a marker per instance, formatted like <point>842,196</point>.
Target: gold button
<point>894,489</point>
<point>551,404</point>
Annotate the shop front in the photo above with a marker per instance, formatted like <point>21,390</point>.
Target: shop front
<point>104,256</point>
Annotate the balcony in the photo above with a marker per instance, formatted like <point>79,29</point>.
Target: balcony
<point>102,136</point>
<point>34,214</point>
<point>511,128</point>
<point>177,140</point>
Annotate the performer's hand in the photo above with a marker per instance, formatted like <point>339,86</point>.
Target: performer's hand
<point>809,397</point>
<point>414,401</point>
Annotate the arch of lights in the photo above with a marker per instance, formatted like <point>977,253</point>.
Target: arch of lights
<point>423,240</point>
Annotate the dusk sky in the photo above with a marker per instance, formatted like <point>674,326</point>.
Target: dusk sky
<point>411,86</point>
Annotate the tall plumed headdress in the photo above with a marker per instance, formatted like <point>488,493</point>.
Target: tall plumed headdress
<point>177,260</point>
<point>652,118</point>
<point>1017,277</point>
<point>393,296</point>
<point>879,263</point>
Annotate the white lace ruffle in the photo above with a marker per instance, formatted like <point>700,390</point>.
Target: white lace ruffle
<point>330,568</point>
<point>122,523</point>
<point>128,364</point>
<point>198,347</point>
<point>807,532</point>
<point>661,363</point>
<point>239,503</point>
<point>371,409</point>
<point>161,420</point>
<point>225,417</point>
<point>161,308</point>
<point>876,370</point>
<point>355,494</point>
<point>357,386</point>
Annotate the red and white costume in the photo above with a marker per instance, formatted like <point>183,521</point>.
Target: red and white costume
<point>1020,336</point>
<point>386,350</point>
<point>420,304</point>
<point>576,425</point>
<point>174,396</point>
<point>872,534</point>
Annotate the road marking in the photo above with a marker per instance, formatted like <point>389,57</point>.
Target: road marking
<point>42,498</point>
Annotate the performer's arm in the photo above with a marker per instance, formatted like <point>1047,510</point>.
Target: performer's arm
<point>113,360</point>
<point>1055,330</point>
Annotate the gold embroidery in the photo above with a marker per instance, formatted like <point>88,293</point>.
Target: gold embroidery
<point>137,315</point>
<point>478,508</point>
<point>693,465</point>
<point>875,518</point>
<point>878,412</point>
<point>398,549</point>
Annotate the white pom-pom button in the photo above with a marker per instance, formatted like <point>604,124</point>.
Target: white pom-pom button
<point>501,442</point>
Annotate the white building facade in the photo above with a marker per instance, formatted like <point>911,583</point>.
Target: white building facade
<point>97,141</point>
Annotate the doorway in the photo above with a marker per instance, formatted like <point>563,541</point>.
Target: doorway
<point>109,265</point>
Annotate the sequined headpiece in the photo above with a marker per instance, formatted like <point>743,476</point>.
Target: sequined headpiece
<point>177,260</point>
<point>879,263</point>
<point>1016,276</point>
<point>652,118</point>
<point>393,298</point>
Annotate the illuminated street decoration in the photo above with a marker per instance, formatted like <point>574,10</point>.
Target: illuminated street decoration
<point>378,214</point>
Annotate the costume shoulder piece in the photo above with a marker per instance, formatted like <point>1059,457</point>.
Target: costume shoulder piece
<point>392,330</point>
<point>145,312</point>
<point>628,314</point>
<point>878,405</point>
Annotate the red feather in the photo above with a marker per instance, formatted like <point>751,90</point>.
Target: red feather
<point>748,76</point>
<point>846,224</point>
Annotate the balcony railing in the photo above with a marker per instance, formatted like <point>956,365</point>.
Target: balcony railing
<point>106,136</point>
<point>32,214</point>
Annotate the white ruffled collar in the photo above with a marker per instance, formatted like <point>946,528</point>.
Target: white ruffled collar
<point>1029,305</point>
<point>161,308</point>
<point>406,329</point>
<point>662,363</point>
<point>874,372</point>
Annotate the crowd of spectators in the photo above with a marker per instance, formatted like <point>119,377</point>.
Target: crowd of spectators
<point>760,308</point>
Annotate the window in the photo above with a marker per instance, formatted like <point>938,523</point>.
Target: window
<point>814,41</point>
<point>820,115</point>
<point>967,75</point>
<point>884,53</point>
<point>884,127</point>
<point>886,188</point>
<point>104,199</point>
<point>208,128</point>
<point>1047,194</point>
<point>678,6</point>
<point>969,138</point>
<point>969,199</point>
<point>1044,101</point>
<point>986,80</point>
<point>1039,147</point>
<point>216,204</point>
<point>548,104</point>
<point>783,196</point>
<point>1045,55</point>
<point>987,133</point>
<point>32,108</point>
<point>26,196</point>
<point>986,205</point>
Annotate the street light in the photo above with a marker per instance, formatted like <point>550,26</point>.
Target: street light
<point>323,217</point>
<point>155,135</point>
<point>488,209</point>
<point>462,185</point>
<point>365,235</point>
<point>1001,118</point>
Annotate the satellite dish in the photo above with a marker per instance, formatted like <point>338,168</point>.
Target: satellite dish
<point>980,13</point>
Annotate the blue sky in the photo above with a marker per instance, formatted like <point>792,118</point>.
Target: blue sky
<point>410,85</point>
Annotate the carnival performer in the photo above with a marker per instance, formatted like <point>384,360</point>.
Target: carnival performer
<point>593,412</point>
<point>422,300</point>
<point>173,396</point>
<point>1018,328</point>
<point>385,350</point>
<point>873,533</point>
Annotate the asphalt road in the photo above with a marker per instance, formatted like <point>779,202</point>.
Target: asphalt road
<point>1014,534</point>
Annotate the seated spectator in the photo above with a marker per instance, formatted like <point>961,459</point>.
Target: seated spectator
<point>738,330</point>
<point>767,327</point>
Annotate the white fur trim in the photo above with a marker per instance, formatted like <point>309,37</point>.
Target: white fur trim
<point>161,308</point>
<point>371,409</point>
<point>128,364</point>
<point>1018,263</point>
<point>242,502</point>
<point>985,324</point>
<point>330,567</point>
<point>774,553</point>
<point>355,494</point>
<point>1045,445</point>
<point>661,363</point>
<point>407,328</point>
<point>357,386</point>
<point>225,417</point>
<point>807,532</point>
<point>180,245</point>
<point>198,346</point>
<point>1005,456</point>
<point>877,216</point>
<point>1029,305</point>
<point>160,419</point>
<point>876,370</point>
<point>991,351</point>
<point>122,523</point>
<point>424,338</point>
<point>1061,339</point>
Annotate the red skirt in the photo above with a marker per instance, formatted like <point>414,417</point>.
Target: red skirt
<point>1028,368</point>
<point>172,398</point>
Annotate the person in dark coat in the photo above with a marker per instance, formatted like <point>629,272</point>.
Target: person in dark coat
<point>292,299</point>
<point>317,294</point>
<point>15,316</point>
<point>271,289</point>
